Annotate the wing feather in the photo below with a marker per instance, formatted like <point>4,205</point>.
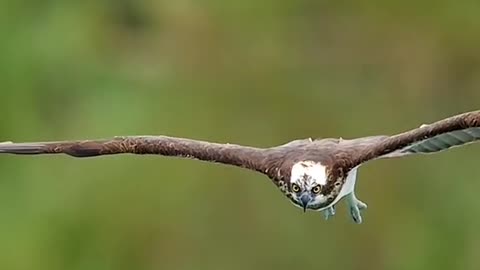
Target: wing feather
<point>439,136</point>
<point>443,141</point>
<point>231,154</point>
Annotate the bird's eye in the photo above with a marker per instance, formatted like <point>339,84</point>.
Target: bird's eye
<point>295,188</point>
<point>316,189</point>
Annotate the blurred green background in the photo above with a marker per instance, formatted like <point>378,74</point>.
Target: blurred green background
<point>259,73</point>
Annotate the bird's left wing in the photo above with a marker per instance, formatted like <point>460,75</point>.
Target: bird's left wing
<point>444,134</point>
<point>237,155</point>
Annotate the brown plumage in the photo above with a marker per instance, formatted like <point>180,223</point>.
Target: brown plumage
<point>339,156</point>
<point>276,161</point>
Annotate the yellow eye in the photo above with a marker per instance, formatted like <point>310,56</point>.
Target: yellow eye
<point>316,189</point>
<point>295,188</point>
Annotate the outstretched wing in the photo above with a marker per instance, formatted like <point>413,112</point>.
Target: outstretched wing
<point>450,132</point>
<point>242,156</point>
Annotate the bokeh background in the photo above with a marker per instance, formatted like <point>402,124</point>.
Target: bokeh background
<point>258,73</point>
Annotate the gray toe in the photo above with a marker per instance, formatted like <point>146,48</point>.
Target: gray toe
<point>356,216</point>
<point>329,212</point>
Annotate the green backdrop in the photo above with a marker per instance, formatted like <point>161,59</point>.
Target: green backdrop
<point>258,73</point>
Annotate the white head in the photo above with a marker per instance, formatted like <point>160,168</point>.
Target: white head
<point>307,181</point>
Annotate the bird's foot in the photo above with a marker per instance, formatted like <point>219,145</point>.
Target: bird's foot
<point>329,212</point>
<point>355,206</point>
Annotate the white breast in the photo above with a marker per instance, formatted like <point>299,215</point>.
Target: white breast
<point>348,186</point>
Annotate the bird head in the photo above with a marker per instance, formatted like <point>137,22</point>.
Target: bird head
<point>307,181</point>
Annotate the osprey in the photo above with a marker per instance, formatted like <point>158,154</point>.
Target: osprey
<point>313,174</point>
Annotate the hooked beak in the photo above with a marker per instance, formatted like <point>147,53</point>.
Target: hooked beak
<point>304,200</point>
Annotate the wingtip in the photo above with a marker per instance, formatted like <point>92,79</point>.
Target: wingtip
<point>21,148</point>
<point>4,143</point>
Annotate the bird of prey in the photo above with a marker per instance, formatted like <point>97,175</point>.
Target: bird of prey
<point>313,174</point>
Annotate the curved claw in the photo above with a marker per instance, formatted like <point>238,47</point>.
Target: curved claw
<point>355,206</point>
<point>329,212</point>
<point>356,215</point>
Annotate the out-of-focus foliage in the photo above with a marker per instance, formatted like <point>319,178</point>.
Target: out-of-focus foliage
<point>250,72</point>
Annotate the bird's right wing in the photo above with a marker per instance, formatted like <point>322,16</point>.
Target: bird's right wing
<point>241,156</point>
<point>444,134</point>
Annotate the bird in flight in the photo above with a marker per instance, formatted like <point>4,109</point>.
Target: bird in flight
<point>313,174</point>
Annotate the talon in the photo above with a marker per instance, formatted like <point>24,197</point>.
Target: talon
<point>355,206</point>
<point>329,212</point>
<point>356,216</point>
<point>361,205</point>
